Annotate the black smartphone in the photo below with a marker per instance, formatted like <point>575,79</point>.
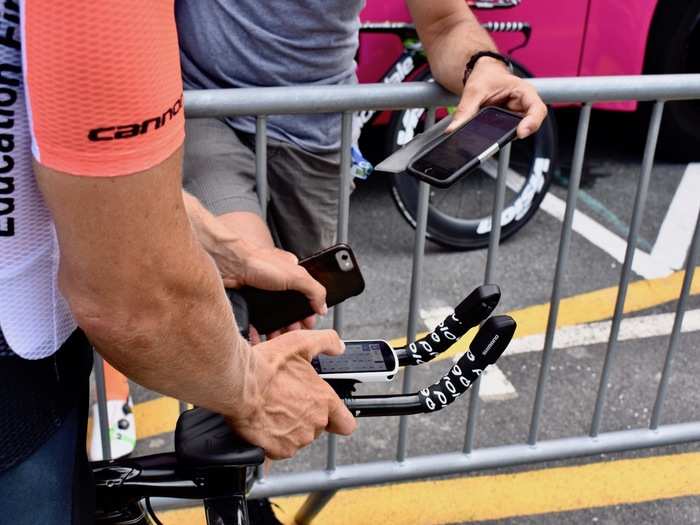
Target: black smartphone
<point>335,268</point>
<point>463,150</point>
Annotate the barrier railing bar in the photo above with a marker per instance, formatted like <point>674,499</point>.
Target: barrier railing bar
<point>416,281</point>
<point>261,162</point>
<point>416,467</point>
<point>329,99</point>
<point>342,236</point>
<point>490,274</point>
<point>562,258</point>
<point>677,324</point>
<point>316,501</point>
<point>638,211</point>
<point>103,415</point>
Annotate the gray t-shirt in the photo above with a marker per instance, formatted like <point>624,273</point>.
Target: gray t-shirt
<point>245,43</point>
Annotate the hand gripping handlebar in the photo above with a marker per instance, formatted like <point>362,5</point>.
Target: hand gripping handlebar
<point>477,306</point>
<point>488,345</point>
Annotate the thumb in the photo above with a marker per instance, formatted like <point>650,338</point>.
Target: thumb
<point>467,108</point>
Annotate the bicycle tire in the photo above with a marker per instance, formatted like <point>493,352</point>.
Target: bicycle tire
<point>471,231</point>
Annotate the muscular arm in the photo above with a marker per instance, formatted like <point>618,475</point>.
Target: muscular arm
<point>451,35</point>
<point>142,288</point>
<point>107,133</point>
<point>252,261</point>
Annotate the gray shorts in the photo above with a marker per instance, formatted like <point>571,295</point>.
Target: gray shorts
<point>219,169</point>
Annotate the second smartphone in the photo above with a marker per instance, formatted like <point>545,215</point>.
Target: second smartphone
<point>335,268</point>
<point>463,150</point>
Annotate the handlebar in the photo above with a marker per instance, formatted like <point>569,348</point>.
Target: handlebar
<point>488,345</point>
<point>476,307</point>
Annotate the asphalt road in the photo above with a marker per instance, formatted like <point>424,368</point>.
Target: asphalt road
<point>383,243</point>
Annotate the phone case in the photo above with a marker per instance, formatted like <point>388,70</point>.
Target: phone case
<point>473,164</point>
<point>269,311</point>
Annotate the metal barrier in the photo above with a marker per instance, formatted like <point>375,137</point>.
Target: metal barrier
<point>347,99</point>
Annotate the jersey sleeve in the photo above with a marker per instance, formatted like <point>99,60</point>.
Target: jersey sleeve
<point>103,84</point>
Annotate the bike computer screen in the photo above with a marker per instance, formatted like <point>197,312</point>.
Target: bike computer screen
<point>466,146</point>
<point>360,359</point>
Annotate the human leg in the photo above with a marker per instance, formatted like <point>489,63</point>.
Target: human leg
<point>44,424</point>
<point>304,189</point>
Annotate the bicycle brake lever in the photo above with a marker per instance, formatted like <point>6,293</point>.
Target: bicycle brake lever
<point>476,307</point>
<point>488,345</point>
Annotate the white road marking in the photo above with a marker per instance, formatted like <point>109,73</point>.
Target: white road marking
<point>434,316</point>
<point>644,264</point>
<point>676,231</point>
<point>640,327</point>
<point>494,384</point>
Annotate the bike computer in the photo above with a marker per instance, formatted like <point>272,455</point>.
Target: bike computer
<point>362,361</point>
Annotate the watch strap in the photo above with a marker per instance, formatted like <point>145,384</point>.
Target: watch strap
<point>471,63</point>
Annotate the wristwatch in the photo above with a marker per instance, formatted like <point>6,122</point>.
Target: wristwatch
<point>476,56</point>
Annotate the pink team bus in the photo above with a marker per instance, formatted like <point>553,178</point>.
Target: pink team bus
<point>579,38</point>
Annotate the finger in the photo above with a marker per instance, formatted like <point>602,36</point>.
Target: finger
<point>535,113</point>
<point>309,322</point>
<point>468,106</point>
<point>302,281</point>
<point>254,336</point>
<point>340,420</point>
<point>309,344</point>
<point>292,327</point>
<point>274,334</point>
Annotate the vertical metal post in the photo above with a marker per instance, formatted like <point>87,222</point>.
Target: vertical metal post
<point>343,198</point>
<point>416,280</point>
<point>494,239</point>
<point>317,500</point>
<point>677,325</point>
<point>640,199</point>
<point>103,422</point>
<point>261,162</point>
<point>562,257</point>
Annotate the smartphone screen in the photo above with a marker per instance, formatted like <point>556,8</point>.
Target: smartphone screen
<point>466,144</point>
<point>359,356</point>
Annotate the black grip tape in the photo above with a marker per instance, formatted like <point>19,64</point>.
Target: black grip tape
<point>488,345</point>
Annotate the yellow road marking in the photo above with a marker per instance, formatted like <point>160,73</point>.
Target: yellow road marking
<point>603,484</point>
<point>587,307</point>
<point>159,415</point>
<point>156,416</point>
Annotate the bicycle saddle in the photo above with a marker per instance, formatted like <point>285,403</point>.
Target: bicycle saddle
<point>203,440</point>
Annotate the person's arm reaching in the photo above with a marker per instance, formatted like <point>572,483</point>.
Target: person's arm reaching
<point>242,263</point>
<point>451,34</point>
<point>136,278</point>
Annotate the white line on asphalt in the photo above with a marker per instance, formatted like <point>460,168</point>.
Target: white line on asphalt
<point>674,237</point>
<point>494,384</point>
<point>644,264</point>
<point>640,327</point>
<point>434,316</point>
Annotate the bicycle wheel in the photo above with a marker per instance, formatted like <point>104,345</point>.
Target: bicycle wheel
<point>459,217</point>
